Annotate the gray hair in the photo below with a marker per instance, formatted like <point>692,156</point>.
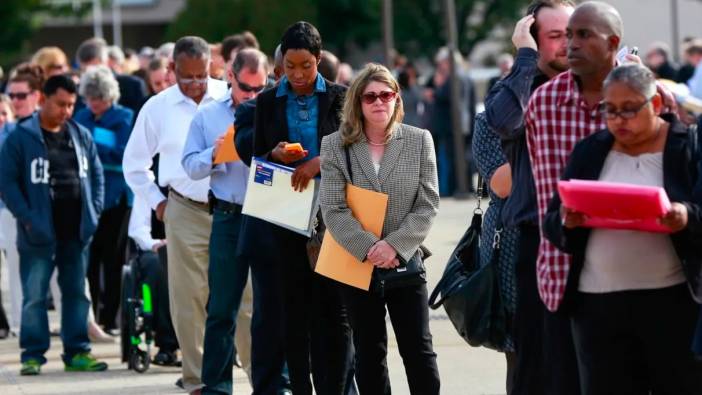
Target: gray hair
<point>98,82</point>
<point>91,49</point>
<point>192,47</point>
<point>165,50</point>
<point>251,59</point>
<point>115,53</point>
<point>635,76</point>
<point>278,56</point>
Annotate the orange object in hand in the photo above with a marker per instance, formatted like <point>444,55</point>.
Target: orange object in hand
<point>293,147</point>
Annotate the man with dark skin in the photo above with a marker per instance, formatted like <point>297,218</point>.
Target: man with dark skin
<point>559,114</point>
<point>162,128</point>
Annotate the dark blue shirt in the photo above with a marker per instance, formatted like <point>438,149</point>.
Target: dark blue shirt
<point>302,113</point>
<point>505,106</point>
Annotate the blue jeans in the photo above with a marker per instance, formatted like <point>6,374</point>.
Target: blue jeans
<point>70,258</point>
<point>227,278</point>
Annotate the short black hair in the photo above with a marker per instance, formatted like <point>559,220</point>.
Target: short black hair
<point>61,81</point>
<point>192,47</point>
<point>91,49</point>
<point>302,35</point>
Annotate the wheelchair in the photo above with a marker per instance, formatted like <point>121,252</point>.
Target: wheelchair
<point>137,319</point>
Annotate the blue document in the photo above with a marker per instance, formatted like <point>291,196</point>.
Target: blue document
<point>104,137</point>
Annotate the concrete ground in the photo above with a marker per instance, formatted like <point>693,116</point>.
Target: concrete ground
<point>464,370</point>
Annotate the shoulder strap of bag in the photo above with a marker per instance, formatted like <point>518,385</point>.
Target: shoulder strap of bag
<point>442,287</point>
<point>348,162</point>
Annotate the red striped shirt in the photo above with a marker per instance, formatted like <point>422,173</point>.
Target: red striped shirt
<point>557,118</point>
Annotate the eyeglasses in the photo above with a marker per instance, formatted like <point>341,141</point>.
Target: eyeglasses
<point>18,95</point>
<point>384,96</point>
<point>624,114</point>
<point>189,81</point>
<point>302,113</point>
<point>248,88</point>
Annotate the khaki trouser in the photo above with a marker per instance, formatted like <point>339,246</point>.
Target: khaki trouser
<point>188,228</point>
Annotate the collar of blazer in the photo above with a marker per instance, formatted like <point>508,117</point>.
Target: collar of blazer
<point>390,157</point>
<point>326,99</point>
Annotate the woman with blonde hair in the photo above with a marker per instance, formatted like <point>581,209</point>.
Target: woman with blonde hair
<point>375,151</point>
<point>52,60</point>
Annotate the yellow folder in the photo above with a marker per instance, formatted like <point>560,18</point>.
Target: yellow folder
<point>227,151</point>
<point>368,207</point>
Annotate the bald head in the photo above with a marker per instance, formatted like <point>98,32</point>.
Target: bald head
<point>605,17</point>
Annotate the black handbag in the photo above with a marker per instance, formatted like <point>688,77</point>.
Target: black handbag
<point>469,292</point>
<point>407,274</point>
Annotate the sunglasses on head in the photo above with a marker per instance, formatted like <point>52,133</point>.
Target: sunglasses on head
<point>18,95</point>
<point>384,96</point>
<point>248,88</point>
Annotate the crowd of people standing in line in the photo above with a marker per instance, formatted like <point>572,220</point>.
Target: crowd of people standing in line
<point>86,166</point>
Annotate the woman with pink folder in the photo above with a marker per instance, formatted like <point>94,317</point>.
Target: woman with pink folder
<point>633,293</point>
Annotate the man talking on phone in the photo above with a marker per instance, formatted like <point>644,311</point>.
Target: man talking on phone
<point>540,39</point>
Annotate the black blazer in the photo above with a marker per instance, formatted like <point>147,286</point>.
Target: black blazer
<point>244,125</point>
<point>271,126</point>
<point>132,91</point>
<point>681,181</point>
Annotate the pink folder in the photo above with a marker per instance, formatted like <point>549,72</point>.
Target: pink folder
<point>616,205</point>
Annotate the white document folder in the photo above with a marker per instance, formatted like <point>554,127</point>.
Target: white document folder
<point>271,197</point>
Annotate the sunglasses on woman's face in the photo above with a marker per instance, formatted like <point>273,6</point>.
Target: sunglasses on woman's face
<point>384,96</point>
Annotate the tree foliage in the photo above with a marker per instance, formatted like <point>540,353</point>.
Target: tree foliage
<point>20,19</point>
<point>419,25</point>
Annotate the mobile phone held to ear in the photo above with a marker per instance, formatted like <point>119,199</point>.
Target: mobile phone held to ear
<point>624,51</point>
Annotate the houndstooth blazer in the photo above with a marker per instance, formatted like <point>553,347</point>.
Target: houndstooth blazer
<point>407,175</point>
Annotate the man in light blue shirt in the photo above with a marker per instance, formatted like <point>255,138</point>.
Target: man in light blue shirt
<point>227,274</point>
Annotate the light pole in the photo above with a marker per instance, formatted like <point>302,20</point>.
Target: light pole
<point>459,157</point>
<point>388,40</point>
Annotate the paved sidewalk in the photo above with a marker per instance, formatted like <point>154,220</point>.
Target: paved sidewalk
<point>464,370</point>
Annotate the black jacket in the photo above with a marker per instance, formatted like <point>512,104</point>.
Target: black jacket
<point>271,126</point>
<point>244,126</point>
<point>681,181</point>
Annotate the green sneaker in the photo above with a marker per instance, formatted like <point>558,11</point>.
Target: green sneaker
<point>84,362</point>
<point>30,367</point>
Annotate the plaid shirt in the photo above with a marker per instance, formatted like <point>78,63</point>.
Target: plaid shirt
<point>557,118</point>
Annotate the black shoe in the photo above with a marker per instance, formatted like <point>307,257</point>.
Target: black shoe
<point>166,358</point>
<point>179,383</point>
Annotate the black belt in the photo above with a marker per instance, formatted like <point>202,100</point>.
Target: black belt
<point>225,206</point>
<point>201,205</point>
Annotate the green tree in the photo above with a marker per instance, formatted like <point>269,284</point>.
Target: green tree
<point>20,19</point>
<point>418,24</point>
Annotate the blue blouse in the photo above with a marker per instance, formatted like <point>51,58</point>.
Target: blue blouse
<point>302,113</point>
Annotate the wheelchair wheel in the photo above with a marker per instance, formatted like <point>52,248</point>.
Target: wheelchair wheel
<point>140,361</point>
<point>127,315</point>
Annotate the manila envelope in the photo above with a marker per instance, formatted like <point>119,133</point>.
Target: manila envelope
<point>227,151</point>
<point>368,207</point>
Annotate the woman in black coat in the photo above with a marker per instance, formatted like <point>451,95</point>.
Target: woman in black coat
<point>303,108</point>
<point>633,293</point>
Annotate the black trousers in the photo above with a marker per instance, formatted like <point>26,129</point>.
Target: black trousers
<point>154,268</point>
<point>545,355</point>
<point>107,255</point>
<point>409,314</point>
<point>637,342</point>
<point>318,337</point>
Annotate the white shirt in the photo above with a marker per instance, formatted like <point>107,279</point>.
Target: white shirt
<point>140,225</point>
<point>621,260</point>
<point>162,128</point>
